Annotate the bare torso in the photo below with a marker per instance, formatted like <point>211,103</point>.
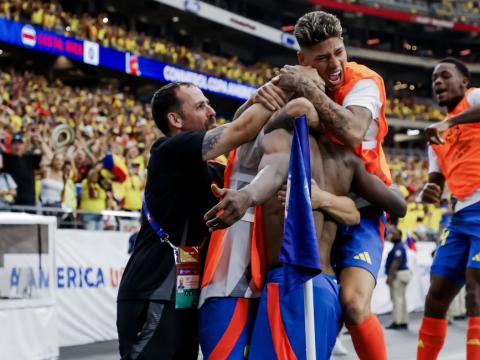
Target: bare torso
<point>332,172</point>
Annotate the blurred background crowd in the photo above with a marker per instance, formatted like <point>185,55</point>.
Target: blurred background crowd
<point>51,16</point>
<point>105,121</point>
<point>112,121</point>
<point>459,11</point>
<point>111,118</point>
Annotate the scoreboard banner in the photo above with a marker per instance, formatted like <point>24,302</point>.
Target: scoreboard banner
<point>91,53</point>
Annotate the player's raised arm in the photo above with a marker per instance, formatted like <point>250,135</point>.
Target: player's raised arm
<point>273,172</point>
<point>224,138</point>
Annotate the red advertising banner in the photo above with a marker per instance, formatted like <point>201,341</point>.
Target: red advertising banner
<point>396,15</point>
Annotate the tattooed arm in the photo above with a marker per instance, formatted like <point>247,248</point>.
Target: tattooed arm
<point>269,95</point>
<point>230,136</point>
<point>348,124</point>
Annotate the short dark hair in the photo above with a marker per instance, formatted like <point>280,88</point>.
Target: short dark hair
<point>460,65</point>
<point>164,101</point>
<point>315,27</point>
<point>17,138</point>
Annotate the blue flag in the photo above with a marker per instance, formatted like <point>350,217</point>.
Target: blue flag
<point>299,254</point>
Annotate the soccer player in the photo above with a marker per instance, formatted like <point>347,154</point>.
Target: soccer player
<point>335,167</point>
<point>454,159</point>
<point>231,284</point>
<point>351,110</point>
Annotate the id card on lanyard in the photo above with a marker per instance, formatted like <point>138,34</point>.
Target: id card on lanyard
<point>188,266</point>
<point>187,263</point>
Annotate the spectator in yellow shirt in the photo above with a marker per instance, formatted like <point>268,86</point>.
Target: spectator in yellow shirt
<point>133,187</point>
<point>93,199</point>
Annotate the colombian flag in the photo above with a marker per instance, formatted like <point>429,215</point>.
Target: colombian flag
<point>411,242</point>
<point>299,254</point>
<point>116,166</point>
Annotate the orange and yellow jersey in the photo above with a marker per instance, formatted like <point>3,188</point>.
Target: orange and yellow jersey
<point>459,158</point>
<point>370,151</point>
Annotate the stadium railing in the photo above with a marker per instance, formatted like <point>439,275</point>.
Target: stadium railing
<point>113,220</point>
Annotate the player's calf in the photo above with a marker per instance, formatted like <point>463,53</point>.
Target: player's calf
<point>356,288</point>
<point>441,293</point>
<point>433,329</point>
<point>472,301</point>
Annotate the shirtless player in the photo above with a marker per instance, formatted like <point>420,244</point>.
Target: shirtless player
<point>338,170</point>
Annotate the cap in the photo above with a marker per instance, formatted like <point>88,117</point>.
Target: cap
<point>17,138</point>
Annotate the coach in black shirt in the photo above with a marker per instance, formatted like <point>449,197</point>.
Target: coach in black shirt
<point>177,194</point>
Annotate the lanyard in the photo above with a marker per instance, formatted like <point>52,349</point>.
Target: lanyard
<point>188,267</point>
<point>164,237</point>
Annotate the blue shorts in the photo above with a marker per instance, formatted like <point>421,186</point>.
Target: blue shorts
<point>279,331</point>
<point>225,327</point>
<point>459,245</point>
<point>360,245</point>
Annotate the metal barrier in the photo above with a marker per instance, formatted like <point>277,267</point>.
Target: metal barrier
<point>113,220</point>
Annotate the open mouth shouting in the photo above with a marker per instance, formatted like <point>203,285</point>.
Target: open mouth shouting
<point>440,93</point>
<point>334,80</point>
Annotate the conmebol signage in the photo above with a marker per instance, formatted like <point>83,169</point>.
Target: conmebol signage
<point>31,37</point>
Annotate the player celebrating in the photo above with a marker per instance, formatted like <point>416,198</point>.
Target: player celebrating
<point>336,168</point>
<point>454,158</point>
<point>352,112</point>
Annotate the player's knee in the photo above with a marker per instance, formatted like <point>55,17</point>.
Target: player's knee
<point>299,106</point>
<point>436,304</point>
<point>438,296</point>
<point>472,299</point>
<point>356,306</point>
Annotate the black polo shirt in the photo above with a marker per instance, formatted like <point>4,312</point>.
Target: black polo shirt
<point>178,195</point>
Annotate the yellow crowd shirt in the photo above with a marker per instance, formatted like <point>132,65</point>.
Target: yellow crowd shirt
<point>93,198</point>
<point>133,187</point>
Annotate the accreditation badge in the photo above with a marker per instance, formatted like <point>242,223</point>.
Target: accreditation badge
<point>189,267</point>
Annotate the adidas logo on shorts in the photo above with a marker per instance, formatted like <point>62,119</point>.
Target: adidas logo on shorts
<point>364,256</point>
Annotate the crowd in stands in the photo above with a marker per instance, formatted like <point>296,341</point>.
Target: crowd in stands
<point>51,16</point>
<point>415,109</point>
<point>111,121</point>
<point>464,11</point>
<point>104,120</point>
<point>422,221</point>
<point>108,120</point>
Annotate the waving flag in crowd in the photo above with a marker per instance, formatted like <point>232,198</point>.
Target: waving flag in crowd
<point>116,166</point>
<point>411,242</point>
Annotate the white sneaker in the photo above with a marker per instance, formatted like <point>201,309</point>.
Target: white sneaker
<point>339,349</point>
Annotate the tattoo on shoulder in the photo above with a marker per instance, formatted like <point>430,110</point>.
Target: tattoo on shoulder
<point>211,139</point>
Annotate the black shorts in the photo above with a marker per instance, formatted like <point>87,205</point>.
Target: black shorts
<point>155,330</point>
